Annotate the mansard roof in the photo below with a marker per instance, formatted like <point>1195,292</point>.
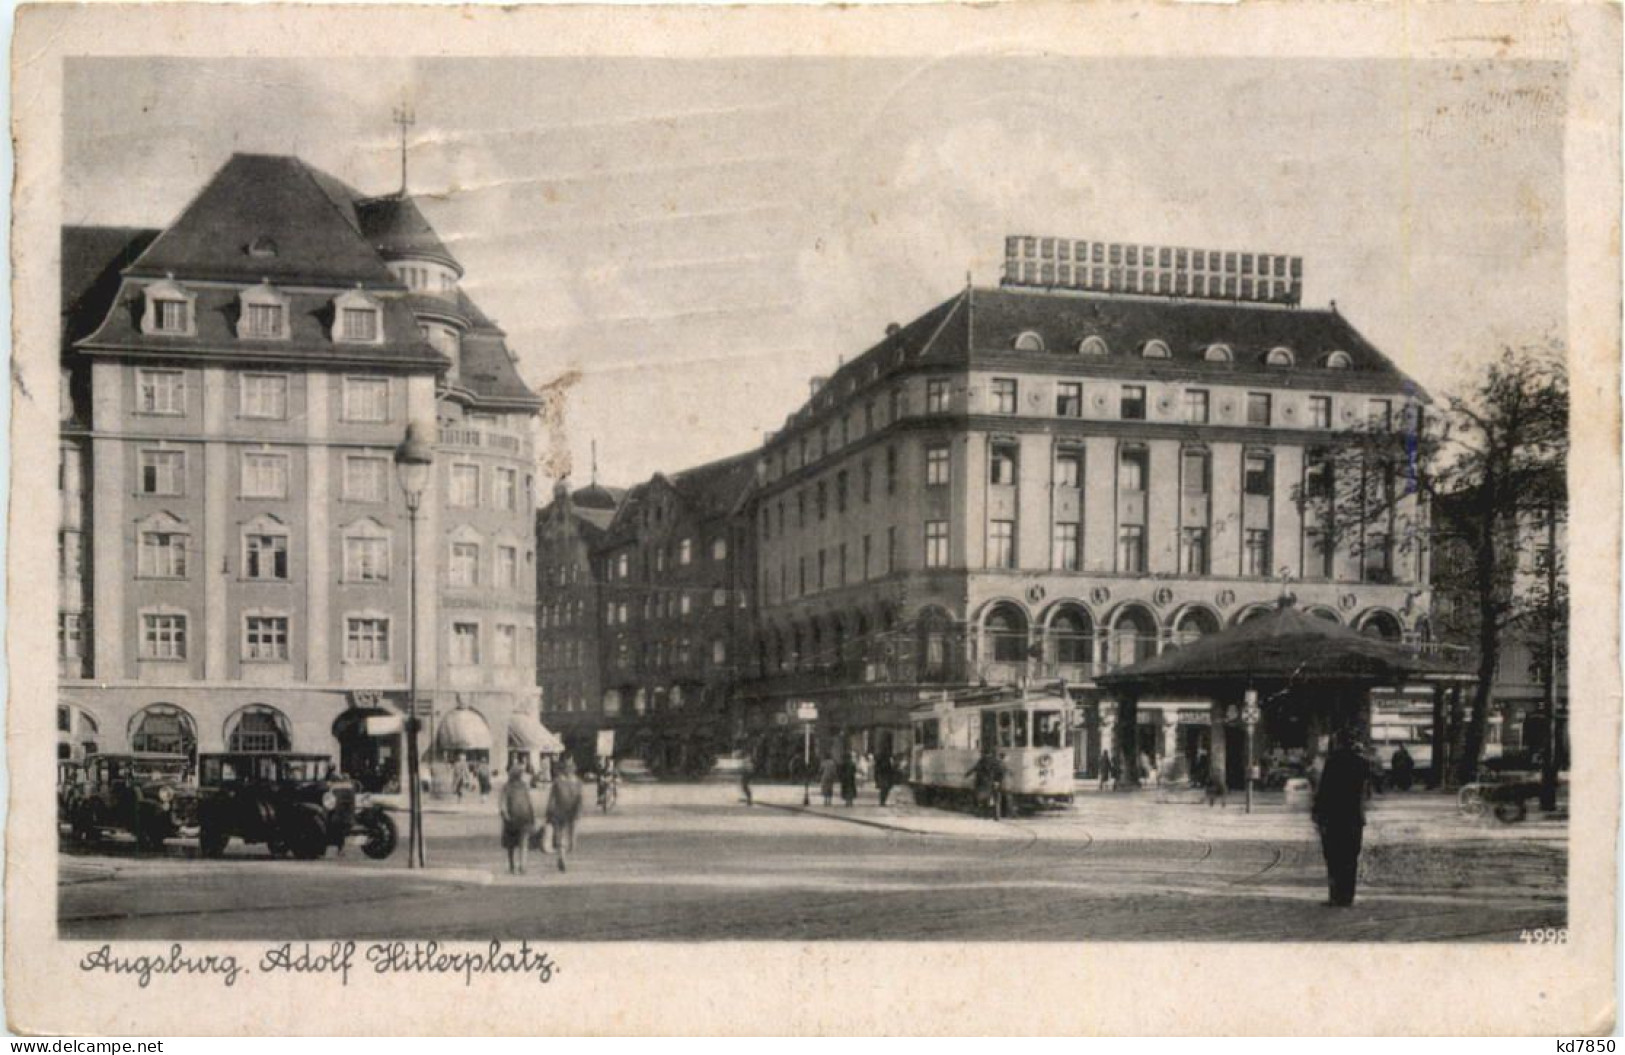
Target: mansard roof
<point>92,260</point>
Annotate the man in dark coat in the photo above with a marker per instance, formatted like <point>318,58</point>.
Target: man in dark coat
<point>1339,813</point>
<point>885,774</point>
<point>1403,767</point>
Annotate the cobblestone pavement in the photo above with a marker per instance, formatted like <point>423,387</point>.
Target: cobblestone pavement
<point>690,862</point>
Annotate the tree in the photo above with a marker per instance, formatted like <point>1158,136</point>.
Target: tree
<point>1462,481</point>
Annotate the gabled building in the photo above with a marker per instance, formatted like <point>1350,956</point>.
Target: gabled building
<point>234,540</point>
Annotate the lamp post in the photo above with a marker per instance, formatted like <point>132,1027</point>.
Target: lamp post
<point>1250,714</point>
<point>413,459</point>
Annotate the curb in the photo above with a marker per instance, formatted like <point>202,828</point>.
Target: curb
<point>194,867</point>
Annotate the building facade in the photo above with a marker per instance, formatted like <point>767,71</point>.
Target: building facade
<point>234,542</point>
<point>1045,480</point>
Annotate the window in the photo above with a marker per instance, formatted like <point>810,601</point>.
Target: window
<point>868,553</point>
<point>801,509</point>
<point>265,475</point>
<point>1256,552</point>
<point>823,569</point>
<point>366,558</point>
<point>465,486</point>
<point>504,646</point>
<point>840,566</point>
<point>1217,353</point>
<point>366,479</point>
<point>265,557</point>
<point>1338,361</point>
<point>1004,395</point>
<point>465,644</point>
<point>1320,412</point>
<point>70,635</point>
<point>163,555</point>
<point>1029,341</point>
<point>1196,409</point>
<point>868,480</point>
<point>1279,357</point>
<point>1064,547</point>
<point>465,564</point>
<point>366,399</point>
<point>1092,346</point>
<point>1318,554</point>
<point>936,543</point>
<point>1380,413</point>
<point>70,554</point>
<point>262,320</point>
<point>265,638</point>
<point>936,397</point>
<point>1002,465</point>
<point>1131,548</point>
<point>719,652</point>
<point>1258,408</point>
<point>1131,403</point>
<point>171,316</point>
<point>623,565</point>
<point>358,324</point>
<point>1194,472</point>
<point>505,487</point>
<point>891,470</point>
<point>938,469</point>
<point>1069,399</point>
<point>822,499</point>
<point>366,639</point>
<point>163,636</point>
<point>1155,350</point>
<point>891,549</point>
<point>507,566</point>
<point>1131,465</point>
<point>264,396</point>
<point>161,392</point>
<point>1377,559</point>
<point>1256,474</point>
<point>1193,550</point>
<point>1069,470</point>
<point>719,598</point>
<point>840,491</point>
<point>719,548</point>
<point>163,472</point>
<point>685,552</point>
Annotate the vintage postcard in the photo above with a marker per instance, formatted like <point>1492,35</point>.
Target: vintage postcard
<point>791,520</point>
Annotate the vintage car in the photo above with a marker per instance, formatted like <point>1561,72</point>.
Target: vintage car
<point>296,804</point>
<point>70,785</point>
<point>143,793</point>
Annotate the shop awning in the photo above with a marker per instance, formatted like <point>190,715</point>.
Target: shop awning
<point>462,730</point>
<point>528,734</point>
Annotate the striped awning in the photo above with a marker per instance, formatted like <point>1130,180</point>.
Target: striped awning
<point>528,734</point>
<point>462,730</point>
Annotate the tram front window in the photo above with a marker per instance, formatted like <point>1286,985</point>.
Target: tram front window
<point>1048,729</point>
<point>1018,722</point>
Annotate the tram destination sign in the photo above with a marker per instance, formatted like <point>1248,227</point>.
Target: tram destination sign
<point>1152,270</point>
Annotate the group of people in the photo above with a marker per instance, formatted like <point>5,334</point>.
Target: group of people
<point>469,777</point>
<point>520,829</point>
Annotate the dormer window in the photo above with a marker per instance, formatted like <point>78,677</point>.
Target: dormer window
<point>169,310</point>
<point>1092,346</point>
<point>1218,353</point>
<point>1029,341</point>
<point>263,314</point>
<point>1279,357</point>
<point>1155,350</point>
<point>357,319</point>
<point>1338,361</point>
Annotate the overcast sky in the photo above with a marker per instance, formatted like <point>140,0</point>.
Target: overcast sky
<point>698,238</point>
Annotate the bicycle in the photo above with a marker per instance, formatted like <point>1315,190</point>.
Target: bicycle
<point>606,796</point>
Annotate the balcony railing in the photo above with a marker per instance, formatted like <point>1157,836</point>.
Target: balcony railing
<point>485,439</point>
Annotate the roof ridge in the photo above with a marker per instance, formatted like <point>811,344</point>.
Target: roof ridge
<point>310,172</point>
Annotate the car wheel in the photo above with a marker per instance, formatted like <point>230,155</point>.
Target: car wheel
<point>382,835</point>
<point>305,838</point>
<point>1511,812</point>
<point>149,838</point>
<point>212,841</point>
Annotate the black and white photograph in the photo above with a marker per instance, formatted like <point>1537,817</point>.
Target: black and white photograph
<point>998,495</point>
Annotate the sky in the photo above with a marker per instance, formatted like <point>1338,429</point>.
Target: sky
<point>698,238</point>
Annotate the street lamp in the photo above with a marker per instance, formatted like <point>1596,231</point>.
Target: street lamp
<point>413,459</point>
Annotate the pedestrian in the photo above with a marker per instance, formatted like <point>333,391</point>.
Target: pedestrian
<point>1339,813</point>
<point>564,809</point>
<point>1404,768</point>
<point>849,779</point>
<point>1105,768</point>
<point>483,773</point>
<point>828,773</point>
<point>1217,789</point>
<point>866,768</point>
<point>518,819</point>
<point>747,769</point>
<point>988,773</point>
<point>459,777</point>
<point>885,775</point>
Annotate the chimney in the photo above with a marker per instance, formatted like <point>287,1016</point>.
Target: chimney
<point>893,329</point>
<point>816,384</point>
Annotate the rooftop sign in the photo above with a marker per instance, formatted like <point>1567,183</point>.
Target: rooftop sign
<point>1150,270</point>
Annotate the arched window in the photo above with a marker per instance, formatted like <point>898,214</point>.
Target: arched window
<point>1134,637</point>
<point>1093,346</point>
<point>1073,637</point>
<point>1155,350</point>
<point>1029,341</point>
<point>1193,624</point>
<point>258,728</point>
<point>1381,625</point>
<point>164,728</point>
<point>1007,634</point>
<point>1338,361</point>
<point>1280,357</point>
<point>1218,353</point>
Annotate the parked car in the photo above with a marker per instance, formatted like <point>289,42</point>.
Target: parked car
<point>293,803</point>
<point>143,793</point>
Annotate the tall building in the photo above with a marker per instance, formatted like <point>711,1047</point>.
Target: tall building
<point>1092,463</point>
<point>675,568</point>
<point>234,546</point>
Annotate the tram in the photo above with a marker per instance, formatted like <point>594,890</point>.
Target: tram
<point>1032,735</point>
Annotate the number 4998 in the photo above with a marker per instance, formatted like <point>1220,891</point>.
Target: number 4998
<point>1544,936</point>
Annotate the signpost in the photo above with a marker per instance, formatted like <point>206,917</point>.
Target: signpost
<point>807,715</point>
<point>1250,714</point>
<point>606,743</point>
